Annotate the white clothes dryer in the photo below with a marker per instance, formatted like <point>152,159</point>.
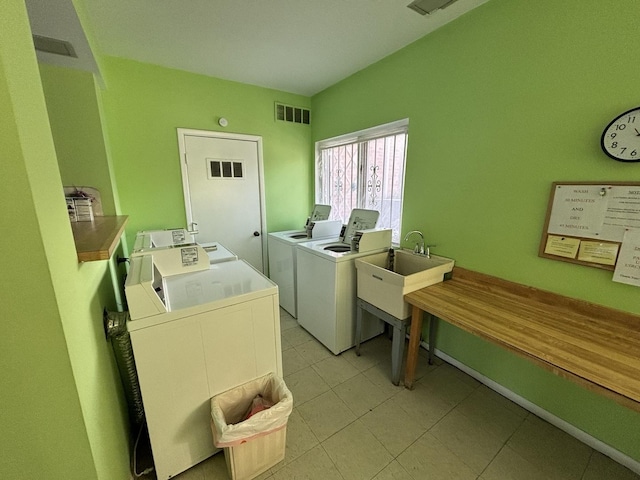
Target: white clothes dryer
<point>149,240</point>
<point>194,335</point>
<point>162,238</point>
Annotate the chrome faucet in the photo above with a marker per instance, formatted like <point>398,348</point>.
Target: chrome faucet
<point>419,248</point>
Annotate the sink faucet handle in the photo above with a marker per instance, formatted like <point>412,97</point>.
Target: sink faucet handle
<point>428,248</point>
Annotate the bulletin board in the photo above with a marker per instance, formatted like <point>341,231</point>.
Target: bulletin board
<point>590,223</point>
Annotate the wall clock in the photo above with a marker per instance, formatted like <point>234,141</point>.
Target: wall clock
<point>621,138</point>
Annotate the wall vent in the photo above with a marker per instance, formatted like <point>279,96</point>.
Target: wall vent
<point>289,113</point>
<point>53,45</point>
<point>425,7</point>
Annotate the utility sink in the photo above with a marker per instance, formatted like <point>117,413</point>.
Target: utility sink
<point>386,289</point>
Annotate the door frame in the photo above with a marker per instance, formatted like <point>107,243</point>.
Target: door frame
<point>182,134</point>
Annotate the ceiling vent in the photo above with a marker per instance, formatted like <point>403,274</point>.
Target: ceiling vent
<point>425,7</point>
<point>53,45</point>
<point>289,113</point>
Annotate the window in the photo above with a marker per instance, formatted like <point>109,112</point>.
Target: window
<point>364,170</point>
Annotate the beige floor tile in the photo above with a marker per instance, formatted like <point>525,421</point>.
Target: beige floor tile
<point>356,453</point>
<point>286,321</point>
<point>508,465</point>
<point>360,394</point>
<point>362,362</point>
<point>335,370</point>
<point>300,438</point>
<point>449,383</point>
<point>305,385</point>
<point>555,452</point>
<point>296,335</point>
<point>313,351</point>
<point>422,405</point>
<point>392,426</point>
<point>489,413</point>
<point>602,467</point>
<point>313,465</point>
<point>326,415</point>
<point>393,471</point>
<point>380,376</point>
<point>468,440</point>
<point>429,459</point>
<point>503,401</point>
<point>292,362</point>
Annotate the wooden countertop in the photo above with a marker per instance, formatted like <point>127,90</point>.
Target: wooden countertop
<point>96,240</point>
<point>596,346</point>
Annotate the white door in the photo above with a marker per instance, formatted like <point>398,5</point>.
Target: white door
<point>223,189</point>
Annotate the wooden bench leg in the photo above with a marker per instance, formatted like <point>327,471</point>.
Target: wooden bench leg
<point>414,345</point>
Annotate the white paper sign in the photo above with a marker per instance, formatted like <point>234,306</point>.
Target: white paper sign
<point>628,265</point>
<point>578,210</point>
<point>623,211</point>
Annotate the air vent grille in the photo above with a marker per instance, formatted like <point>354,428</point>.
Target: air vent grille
<point>53,45</point>
<point>425,7</point>
<point>289,113</point>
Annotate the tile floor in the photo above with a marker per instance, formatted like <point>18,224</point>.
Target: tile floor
<point>350,422</point>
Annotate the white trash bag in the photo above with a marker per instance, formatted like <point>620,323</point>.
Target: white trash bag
<point>229,408</point>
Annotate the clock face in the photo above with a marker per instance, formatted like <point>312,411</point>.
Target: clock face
<point>621,139</point>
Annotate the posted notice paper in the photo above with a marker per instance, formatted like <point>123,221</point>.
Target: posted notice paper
<point>628,265</point>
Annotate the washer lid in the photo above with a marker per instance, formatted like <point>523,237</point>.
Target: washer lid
<point>222,281</point>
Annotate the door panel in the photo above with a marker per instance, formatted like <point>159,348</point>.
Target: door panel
<point>224,194</point>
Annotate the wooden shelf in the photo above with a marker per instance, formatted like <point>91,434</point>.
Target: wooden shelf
<point>96,240</point>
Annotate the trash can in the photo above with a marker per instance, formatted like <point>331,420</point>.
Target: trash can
<point>255,444</point>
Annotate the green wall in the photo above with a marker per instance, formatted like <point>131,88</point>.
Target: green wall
<point>145,104</point>
<point>74,115</point>
<point>77,131</point>
<point>503,101</point>
<point>41,421</point>
<point>62,412</point>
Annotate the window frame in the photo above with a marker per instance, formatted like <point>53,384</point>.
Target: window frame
<point>359,138</point>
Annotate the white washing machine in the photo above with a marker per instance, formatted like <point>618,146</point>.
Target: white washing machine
<point>326,282</point>
<point>282,257</point>
<point>196,334</point>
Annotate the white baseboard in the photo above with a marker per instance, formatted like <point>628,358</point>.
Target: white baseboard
<point>584,437</point>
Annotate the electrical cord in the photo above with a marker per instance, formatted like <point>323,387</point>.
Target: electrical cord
<point>135,453</point>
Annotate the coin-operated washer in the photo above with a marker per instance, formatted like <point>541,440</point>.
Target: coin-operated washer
<point>197,329</point>
<point>149,240</point>
<point>326,281</point>
<point>282,252</point>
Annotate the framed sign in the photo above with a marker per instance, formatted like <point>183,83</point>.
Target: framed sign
<point>586,222</point>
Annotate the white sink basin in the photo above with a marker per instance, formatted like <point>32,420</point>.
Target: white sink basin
<point>386,289</point>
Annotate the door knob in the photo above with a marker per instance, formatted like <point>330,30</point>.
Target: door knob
<point>256,234</point>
